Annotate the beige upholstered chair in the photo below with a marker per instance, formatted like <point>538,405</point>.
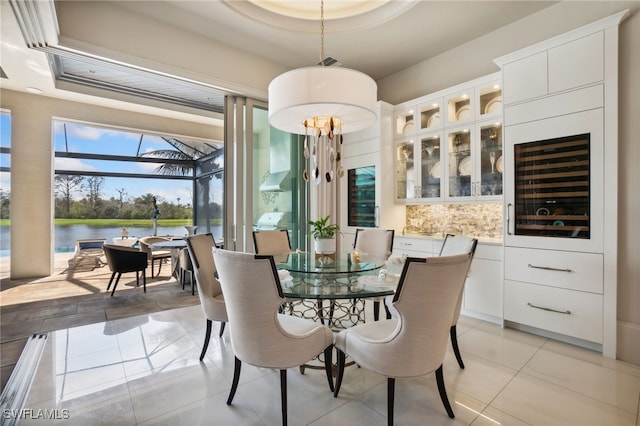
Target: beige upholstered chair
<point>186,268</point>
<point>413,343</point>
<point>272,242</point>
<point>377,243</point>
<point>154,255</point>
<point>259,335</point>
<point>209,291</point>
<point>458,245</point>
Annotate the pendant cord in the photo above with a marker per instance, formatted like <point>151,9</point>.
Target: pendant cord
<point>322,32</point>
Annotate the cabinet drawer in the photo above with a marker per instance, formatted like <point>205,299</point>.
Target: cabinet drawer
<point>570,270</point>
<point>579,313</point>
<point>413,244</point>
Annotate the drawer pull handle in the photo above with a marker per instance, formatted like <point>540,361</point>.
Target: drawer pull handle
<point>567,312</point>
<point>549,268</point>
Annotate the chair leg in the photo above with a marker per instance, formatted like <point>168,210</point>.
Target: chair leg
<point>283,395</point>
<point>116,283</point>
<point>193,283</point>
<point>152,266</point>
<point>443,392</point>
<point>207,336</point>
<point>391,393</point>
<point>454,343</point>
<point>111,280</point>
<point>386,309</point>
<point>137,279</point>
<point>159,266</point>
<point>222,324</point>
<point>376,310</point>
<point>341,360</point>
<point>236,379</point>
<point>328,365</point>
<point>144,280</point>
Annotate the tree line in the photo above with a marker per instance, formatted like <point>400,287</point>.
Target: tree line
<point>93,206</point>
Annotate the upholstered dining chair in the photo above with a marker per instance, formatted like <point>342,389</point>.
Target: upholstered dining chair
<point>125,259</point>
<point>154,255</point>
<point>212,301</point>
<point>377,243</point>
<point>260,335</point>
<point>414,342</point>
<point>271,242</point>
<point>186,268</point>
<point>458,245</point>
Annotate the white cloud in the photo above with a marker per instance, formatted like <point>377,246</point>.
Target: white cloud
<point>72,164</point>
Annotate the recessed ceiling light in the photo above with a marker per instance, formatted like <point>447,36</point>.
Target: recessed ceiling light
<point>34,90</point>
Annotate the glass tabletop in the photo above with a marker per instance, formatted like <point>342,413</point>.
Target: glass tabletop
<point>340,263</point>
<point>332,277</point>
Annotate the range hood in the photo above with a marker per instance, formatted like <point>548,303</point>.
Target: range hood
<point>277,182</point>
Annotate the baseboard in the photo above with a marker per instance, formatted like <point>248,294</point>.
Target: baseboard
<point>628,337</point>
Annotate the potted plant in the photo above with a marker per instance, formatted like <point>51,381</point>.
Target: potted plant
<point>324,235</point>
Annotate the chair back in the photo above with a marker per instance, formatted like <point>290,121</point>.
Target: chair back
<point>377,243</point>
<point>458,244</point>
<point>425,301</point>
<point>253,294</point>
<point>200,247</point>
<point>271,242</point>
<point>145,243</point>
<point>124,259</point>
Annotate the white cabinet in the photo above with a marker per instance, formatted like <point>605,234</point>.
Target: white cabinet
<point>560,130</point>
<point>448,145</point>
<point>413,247</point>
<point>483,288</point>
<point>366,156</point>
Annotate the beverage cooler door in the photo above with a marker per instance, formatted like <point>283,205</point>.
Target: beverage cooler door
<point>554,183</point>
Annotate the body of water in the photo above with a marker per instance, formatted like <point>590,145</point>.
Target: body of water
<point>66,236</point>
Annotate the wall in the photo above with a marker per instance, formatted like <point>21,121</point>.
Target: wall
<point>32,167</point>
<point>474,59</point>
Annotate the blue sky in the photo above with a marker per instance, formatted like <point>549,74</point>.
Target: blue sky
<point>95,140</point>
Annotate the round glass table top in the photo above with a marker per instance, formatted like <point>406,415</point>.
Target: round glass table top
<point>341,263</point>
<point>331,277</point>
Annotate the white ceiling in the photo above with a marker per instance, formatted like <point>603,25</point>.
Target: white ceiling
<point>381,42</point>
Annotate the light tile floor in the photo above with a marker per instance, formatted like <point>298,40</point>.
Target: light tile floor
<point>132,360</point>
<point>144,370</point>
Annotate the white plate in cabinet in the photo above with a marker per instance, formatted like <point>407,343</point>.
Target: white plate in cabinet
<point>572,313</point>
<point>571,270</point>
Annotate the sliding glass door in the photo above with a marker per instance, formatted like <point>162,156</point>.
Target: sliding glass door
<point>264,188</point>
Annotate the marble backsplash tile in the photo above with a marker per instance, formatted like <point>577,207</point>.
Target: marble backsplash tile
<point>475,220</point>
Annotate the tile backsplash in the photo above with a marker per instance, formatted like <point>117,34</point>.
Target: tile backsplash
<point>475,220</point>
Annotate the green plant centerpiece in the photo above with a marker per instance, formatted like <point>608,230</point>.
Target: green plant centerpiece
<point>324,235</point>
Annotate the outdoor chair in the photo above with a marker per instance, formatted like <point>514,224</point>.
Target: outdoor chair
<point>88,254</point>
<point>125,259</point>
<point>154,256</point>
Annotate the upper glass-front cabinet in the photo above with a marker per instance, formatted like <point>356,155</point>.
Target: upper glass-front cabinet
<point>456,151</point>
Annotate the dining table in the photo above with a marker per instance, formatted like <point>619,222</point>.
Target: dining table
<point>342,280</point>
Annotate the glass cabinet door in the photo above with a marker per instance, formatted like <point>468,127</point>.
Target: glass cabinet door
<point>405,171</point>
<point>460,107</point>
<point>361,193</point>
<point>404,123</point>
<point>489,100</point>
<point>431,167</point>
<point>430,116</point>
<point>552,190</point>
<point>489,181</point>
<point>459,163</point>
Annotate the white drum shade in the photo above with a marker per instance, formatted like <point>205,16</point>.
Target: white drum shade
<point>317,94</point>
